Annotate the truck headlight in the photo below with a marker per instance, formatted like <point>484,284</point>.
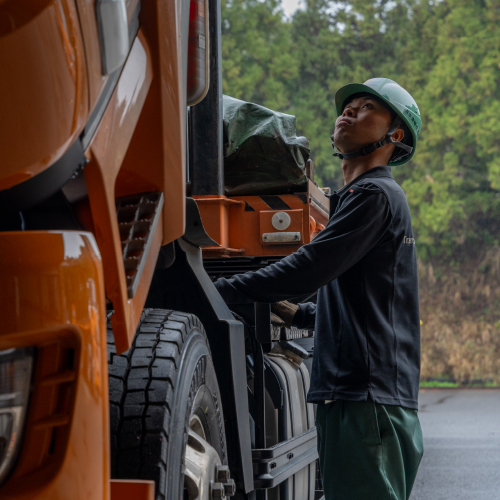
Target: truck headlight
<point>15,381</point>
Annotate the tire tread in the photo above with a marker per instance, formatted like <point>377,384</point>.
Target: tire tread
<point>141,383</point>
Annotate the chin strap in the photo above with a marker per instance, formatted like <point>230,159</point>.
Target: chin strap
<point>376,145</point>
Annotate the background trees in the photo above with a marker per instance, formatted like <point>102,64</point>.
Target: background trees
<point>447,54</point>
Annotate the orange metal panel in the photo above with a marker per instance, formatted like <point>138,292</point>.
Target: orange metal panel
<point>140,147</point>
<point>122,489</point>
<point>245,229</point>
<point>214,211</point>
<point>237,223</point>
<point>108,149</point>
<point>156,158</point>
<point>111,140</point>
<point>148,165</point>
<point>43,88</point>
<point>296,224</point>
<point>52,297</point>
<point>173,98</point>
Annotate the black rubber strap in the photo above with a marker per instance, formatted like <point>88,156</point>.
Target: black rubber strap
<point>361,152</point>
<point>403,146</point>
<point>394,126</point>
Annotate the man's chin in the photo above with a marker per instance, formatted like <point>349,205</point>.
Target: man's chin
<point>345,146</point>
<point>342,145</point>
<point>343,139</point>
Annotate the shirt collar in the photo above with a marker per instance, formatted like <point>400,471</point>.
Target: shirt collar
<point>372,173</point>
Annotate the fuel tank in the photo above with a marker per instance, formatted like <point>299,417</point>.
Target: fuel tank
<point>295,417</point>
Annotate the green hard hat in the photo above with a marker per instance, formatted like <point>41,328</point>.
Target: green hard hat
<point>396,97</point>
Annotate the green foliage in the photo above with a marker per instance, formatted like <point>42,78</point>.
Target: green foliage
<point>256,57</point>
<point>446,53</point>
<point>438,384</point>
<point>435,384</point>
<point>452,185</point>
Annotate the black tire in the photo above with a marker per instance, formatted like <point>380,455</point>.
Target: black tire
<point>154,388</point>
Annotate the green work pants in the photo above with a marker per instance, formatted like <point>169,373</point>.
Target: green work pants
<point>368,451</point>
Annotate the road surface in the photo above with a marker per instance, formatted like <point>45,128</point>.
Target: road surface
<point>461,445</point>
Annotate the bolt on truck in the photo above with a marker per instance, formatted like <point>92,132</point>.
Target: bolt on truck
<point>123,374</point>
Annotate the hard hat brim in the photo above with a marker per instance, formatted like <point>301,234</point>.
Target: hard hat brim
<point>350,89</point>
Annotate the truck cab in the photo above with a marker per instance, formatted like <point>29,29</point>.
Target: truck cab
<point>122,371</point>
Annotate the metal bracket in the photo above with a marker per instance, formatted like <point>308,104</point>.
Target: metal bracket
<point>263,325</point>
<point>273,465</point>
<point>195,232</point>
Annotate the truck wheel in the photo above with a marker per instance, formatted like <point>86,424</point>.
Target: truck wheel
<point>165,414</point>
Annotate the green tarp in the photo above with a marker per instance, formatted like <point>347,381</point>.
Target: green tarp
<point>262,153</point>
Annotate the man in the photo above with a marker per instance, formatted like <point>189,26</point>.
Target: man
<point>366,362</point>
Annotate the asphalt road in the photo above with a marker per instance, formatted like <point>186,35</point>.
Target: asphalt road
<point>461,431</point>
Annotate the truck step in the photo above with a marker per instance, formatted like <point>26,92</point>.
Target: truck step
<point>138,217</point>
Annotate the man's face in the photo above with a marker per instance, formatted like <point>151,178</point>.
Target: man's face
<point>364,121</point>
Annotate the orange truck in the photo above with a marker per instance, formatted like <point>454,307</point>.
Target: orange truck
<point>123,374</point>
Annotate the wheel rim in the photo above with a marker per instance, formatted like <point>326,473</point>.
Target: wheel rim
<point>196,425</point>
<point>205,478</point>
<point>200,468</point>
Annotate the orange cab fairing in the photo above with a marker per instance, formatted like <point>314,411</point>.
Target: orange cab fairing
<point>139,147</point>
<point>44,100</point>
<point>52,297</point>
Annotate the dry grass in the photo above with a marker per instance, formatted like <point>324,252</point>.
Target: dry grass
<point>460,312</point>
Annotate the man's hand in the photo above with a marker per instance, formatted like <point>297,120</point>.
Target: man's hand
<point>285,310</point>
<point>277,321</point>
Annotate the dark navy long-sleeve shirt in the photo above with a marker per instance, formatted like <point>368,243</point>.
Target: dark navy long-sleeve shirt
<point>366,319</point>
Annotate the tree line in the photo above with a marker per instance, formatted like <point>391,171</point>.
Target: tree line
<point>446,53</point>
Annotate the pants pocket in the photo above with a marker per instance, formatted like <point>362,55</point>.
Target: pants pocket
<point>372,432</point>
<point>418,441</point>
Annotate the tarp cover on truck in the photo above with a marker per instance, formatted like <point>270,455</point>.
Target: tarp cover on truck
<point>262,153</point>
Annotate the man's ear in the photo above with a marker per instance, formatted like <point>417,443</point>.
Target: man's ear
<point>399,135</point>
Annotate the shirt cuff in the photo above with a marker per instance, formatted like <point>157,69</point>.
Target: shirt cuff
<point>305,316</point>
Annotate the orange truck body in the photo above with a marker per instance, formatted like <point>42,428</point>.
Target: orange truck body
<point>238,223</point>
<point>54,284</point>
